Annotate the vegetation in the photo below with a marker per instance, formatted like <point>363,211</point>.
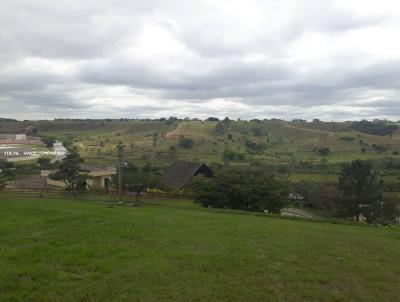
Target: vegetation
<point>363,193</point>
<point>61,249</point>
<point>248,189</point>
<point>186,143</point>
<point>324,150</point>
<point>44,162</point>
<point>2,182</point>
<point>280,147</point>
<point>48,140</point>
<point>375,128</point>
<point>71,173</point>
<point>316,195</point>
<point>139,179</point>
<point>232,155</point>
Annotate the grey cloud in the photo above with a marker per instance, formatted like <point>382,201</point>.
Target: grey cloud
<point>214,59</point>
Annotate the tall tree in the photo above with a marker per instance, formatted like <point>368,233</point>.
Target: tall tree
<point>362,192</point>
<point>120,152</point>
<point>70,171</point>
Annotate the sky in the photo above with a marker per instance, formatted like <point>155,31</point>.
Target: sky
<point>326,59</point>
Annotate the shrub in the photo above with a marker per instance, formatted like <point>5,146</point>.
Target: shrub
<point>186,143</point>
<point>253,146</point>
<point>347,138</point>
<point>257,132</point>
<point>324,150</point>
<point>48,141</point>
<point>250,189</point>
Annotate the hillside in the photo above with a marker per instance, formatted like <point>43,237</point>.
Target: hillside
<point>66,250</point>
<point>295,147</point>
<point>271,141</point>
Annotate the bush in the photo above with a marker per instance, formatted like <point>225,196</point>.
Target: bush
<point>257,132</point>
<point>347,138</point>
<point>185,142</point>
<point>324,151</point>
<point>48,141</point>
<point>379,148</point>
<point>219,128</point>
<point>256,147</point>
<point>44,162</point>
<point>317,195</point>
<point>250,189</point>
<point>232,155</point>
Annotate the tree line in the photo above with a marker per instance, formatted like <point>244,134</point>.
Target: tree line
<point>358,194</point>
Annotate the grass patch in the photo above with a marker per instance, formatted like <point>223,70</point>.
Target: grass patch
<point>60,249</point>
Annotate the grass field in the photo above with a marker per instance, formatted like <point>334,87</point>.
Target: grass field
<point>60,249</point>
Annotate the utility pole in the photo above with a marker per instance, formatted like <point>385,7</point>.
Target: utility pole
<point>120,149</point>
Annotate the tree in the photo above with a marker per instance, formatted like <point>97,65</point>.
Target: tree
<point>138,180</point>
<point>121,152</point>
<point>362,192</point>
<point>70,171</point>
<point>250,189</point>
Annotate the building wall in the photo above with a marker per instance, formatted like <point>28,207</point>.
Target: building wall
<point>96,181</point>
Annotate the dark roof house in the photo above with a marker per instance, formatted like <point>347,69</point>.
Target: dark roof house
<point>181,173</point>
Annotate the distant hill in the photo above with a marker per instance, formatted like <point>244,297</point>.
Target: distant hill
<point>239,142</point>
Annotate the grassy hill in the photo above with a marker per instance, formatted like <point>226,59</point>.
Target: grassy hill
<point>269,142</point>
<point>66,250</point>
<point>280,141</point>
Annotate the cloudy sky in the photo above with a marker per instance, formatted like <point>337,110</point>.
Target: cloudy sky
<point>328,59</point>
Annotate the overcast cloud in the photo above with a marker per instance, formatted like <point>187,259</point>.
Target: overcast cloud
<point>328,59</point>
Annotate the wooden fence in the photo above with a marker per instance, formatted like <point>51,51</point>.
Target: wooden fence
<point>166,195</point>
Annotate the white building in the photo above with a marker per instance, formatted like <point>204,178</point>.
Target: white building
<point>59,150</point>
<point>20,137</point>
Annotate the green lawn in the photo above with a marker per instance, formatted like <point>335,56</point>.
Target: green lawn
<point>59,249</point>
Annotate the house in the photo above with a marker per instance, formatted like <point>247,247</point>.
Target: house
<point>59,150</point>
<point>20,137</point>
<point>180,174</point>
<point>99,176</point>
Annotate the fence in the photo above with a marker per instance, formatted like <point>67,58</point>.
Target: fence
<point>166,195</point>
